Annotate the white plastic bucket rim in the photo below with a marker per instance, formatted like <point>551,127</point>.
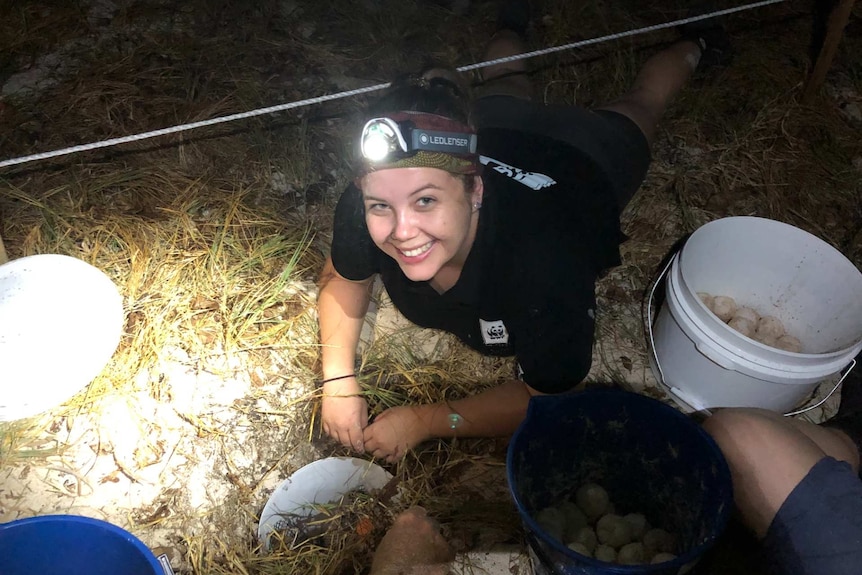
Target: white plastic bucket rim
<point>322,481</point>
<point>61,320</point>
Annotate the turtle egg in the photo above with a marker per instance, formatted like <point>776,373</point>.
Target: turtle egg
<point>747,313</point>
<point>586,537</point>
<point>706,298</point>
<point>613,530</point>
<point>592,499</point>
<point>631,554</point>
<point>789,343</point>
<point>724,307</point>
<point>575,518</point>
<point>769,328</point>
<point>579,548</point>
<point>606,553</point>
<point>743,325</point>
<point>638,524</point>
<point>662,557</point>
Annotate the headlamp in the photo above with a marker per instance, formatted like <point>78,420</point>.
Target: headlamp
<point>392,141</point>
<point>382,137</point>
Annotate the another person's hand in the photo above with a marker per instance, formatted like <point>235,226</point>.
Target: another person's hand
<point>394,432</point>
<point>344,414</point>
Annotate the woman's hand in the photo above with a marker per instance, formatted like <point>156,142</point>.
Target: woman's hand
<point>396,431</point>
<point>344,414</point>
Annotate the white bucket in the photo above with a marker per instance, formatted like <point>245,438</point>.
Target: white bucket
<point>323,481</point>
<point>778,270</point>
<point>60,322</point>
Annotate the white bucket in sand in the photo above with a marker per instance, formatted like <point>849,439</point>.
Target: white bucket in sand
<point>60,322</point>
<point>320,482</point>
<point>778,270</point>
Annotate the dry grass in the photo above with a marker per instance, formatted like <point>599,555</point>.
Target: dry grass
<point>214,237</point>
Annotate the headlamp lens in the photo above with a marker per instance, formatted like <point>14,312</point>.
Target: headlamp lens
<point>379,139</point>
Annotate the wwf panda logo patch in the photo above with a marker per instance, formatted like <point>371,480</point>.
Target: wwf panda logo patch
<point>494,332</point>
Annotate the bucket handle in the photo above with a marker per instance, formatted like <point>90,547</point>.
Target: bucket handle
<point>691,402</point>
<point>649,318</point>
<point>165,564</point>
<point>852,364</point>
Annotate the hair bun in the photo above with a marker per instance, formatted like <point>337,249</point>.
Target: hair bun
<point>448,85</point>
<point>434,91</point>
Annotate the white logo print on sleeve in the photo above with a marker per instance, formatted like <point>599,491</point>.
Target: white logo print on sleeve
<point>529,179</point>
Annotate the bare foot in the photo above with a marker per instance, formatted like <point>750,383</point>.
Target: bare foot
<point>412,546</point>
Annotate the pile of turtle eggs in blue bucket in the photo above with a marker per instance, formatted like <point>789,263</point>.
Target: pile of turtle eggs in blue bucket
<point>589,525</point>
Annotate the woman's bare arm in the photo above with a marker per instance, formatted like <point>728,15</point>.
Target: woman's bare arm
<point>495,412</point>
<point>341,308</point>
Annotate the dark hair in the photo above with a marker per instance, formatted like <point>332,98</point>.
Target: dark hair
<point>434,91</point>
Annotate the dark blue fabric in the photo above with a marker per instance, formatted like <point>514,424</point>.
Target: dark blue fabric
<point>818,530</point>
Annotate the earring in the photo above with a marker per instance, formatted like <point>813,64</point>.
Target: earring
<point>477,205</point>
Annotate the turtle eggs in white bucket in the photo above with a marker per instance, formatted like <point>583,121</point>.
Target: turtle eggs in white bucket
<point>766,329</point>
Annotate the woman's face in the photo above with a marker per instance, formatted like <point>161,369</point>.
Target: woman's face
<point>423,218</point>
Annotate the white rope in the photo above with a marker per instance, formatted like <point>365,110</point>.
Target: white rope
<point>358,91</point>
<point>618,35</point>
<point>191,126</point>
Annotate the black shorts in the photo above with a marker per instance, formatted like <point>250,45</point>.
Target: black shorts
<point>818,530</point>
<point>611,139</point>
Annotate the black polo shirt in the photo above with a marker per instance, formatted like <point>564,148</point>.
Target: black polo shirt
<point>547,227</point>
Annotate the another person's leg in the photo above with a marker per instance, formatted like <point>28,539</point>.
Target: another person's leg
<point>769,455</point>
<point>703,44</point>
<point>508,78</point>
<point>502,96</point>
<point>617,135</point>
<point>412,546</point>
<point>659,81</point>
<point>796,486</point>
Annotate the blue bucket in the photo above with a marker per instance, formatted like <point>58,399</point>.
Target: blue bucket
<point>650,458</point>
<point>72,545</point>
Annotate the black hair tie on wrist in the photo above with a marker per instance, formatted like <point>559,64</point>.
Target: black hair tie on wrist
<point>337,378</point>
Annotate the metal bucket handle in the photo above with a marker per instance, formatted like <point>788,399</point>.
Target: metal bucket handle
<point>649,317</point>
<point>165,564</point>
<point>850,367</point>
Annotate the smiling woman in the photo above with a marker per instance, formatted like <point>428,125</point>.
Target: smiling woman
<point>490,220</point>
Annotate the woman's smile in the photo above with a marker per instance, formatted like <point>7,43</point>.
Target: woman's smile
<point>414,254</point>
